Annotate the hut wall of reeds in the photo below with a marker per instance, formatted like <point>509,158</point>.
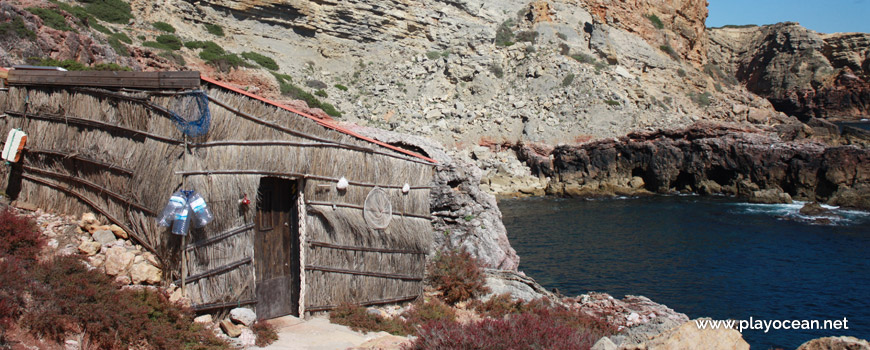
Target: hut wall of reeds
<point>119,153</point>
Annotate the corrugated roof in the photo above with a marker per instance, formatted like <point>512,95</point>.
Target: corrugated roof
<point>324,123</point>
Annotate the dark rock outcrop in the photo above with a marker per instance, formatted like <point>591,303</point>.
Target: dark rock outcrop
<point>801,72</point>
<point>711,158</point>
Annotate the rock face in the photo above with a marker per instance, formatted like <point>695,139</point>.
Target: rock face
<point>801,72</point>
<point>712,158</point>
<point>835,343</point>
<point>682,23</point>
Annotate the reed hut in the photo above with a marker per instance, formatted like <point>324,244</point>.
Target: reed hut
<point>333,216</point>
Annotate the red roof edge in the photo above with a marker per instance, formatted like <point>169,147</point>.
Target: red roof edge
<point>4,69</point>
<point>322,122</point>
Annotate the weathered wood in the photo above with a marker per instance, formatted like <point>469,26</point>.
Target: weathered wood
<point>143,80</point>
<point>102,211</point>
<point>92,185</point>
<point>215,271</point>
<point>286,174</point>
<point>364,249</point>
<point>214,306</point>
<point>93,124</point>
<point>108,166</point>
<point>221,236</point>
<point>395,276</point>
<point>365,303</point>
<point>354,206</point>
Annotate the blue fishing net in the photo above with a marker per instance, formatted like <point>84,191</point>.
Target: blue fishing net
<point>190,113</point>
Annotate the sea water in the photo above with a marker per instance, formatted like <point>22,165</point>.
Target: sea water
<point>704,256</point>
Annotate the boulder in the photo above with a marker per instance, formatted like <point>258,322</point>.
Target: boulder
<point>688,336</point>
<point>118,260</point>
<point>97,260</point>
<point>604,344</point>
<point>144,272</point>
<point>88,220</point>
<point>122,280</point>
<point>814,209</point>
<point>104,237</point>
<point>770,196</point>
<point>230,329</point>
<point>246,339</point>
<point>243,315</point>
<point>204,319</point>
<point>118,231</point>
<point>835,343</point>
<point>90,248</point>
<point>517,285</point>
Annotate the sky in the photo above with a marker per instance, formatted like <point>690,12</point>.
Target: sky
<point>824,16</point>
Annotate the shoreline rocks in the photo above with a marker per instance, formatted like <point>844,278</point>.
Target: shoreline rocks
<point>710,158</point>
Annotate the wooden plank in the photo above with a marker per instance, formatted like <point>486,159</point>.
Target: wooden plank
<point>145,80</point>
<point>365,303</point>
<point>395,276</point>
<point>93,124</point>
<point>214,306</point>
<point>364,249</point>
<point>222,236</point>
<point>215,271</point>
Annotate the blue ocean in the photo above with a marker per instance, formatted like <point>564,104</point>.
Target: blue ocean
<point>704,256</point>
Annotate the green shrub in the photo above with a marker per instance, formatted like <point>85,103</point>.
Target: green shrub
<point>163,27</point>
<point>119,48</point>
<point>122,37</point>
<point>612,102</point>
<point>670,51</point>
<point>528,36</point>
<point>562,36</point>
<point>215,55</point>
<point>174,57</point>
<point>113,11</point>
<point>568,80</point>
<point>504,35</point>
<point>293,91</point>
<point>214,29</point>
<point>739,26</point>
<point>702,100</point>
<point>656,21</point>
<point>99,27</point>
<point>433,55</point>
<point>340,87</point>
<point>16,27</point>
<point>497,70</point>
<point>321,93</point>
<point>457,275</point>
<point>359,319</point>
<point>681,72</point>
<point>50,17</point>
<point>111,67</point>
<point>564,49</point>
<point>716,72</point>
<point>499,306</point>
<point>584,58</point>
<point>263,61</point>
<point>170,41</point>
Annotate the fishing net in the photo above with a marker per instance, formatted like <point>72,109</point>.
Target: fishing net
<point>190,113</point>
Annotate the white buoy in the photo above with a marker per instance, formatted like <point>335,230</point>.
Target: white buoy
<point>406,188</point>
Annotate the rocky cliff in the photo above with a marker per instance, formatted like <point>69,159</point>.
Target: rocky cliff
<point>803,73</point>
<point>760,164</point>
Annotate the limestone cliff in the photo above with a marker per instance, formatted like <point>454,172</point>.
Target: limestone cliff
<point>803,73</point>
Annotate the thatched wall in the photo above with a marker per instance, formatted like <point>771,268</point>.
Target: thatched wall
<point>127,174</point>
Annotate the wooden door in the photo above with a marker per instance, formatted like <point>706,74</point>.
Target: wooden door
<point>276,249</point>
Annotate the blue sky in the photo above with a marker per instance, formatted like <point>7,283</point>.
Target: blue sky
<point>825,16</point>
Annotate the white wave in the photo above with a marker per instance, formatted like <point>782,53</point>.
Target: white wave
<point>791,211</point>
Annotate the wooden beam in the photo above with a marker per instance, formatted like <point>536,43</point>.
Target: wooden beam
<point>219,237</point>
<point>365,303</point>
<point>142,80</point>
<point>364,249</point>
<point>394,276</point>
<point>215,271</point>
<point>213,306</point>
